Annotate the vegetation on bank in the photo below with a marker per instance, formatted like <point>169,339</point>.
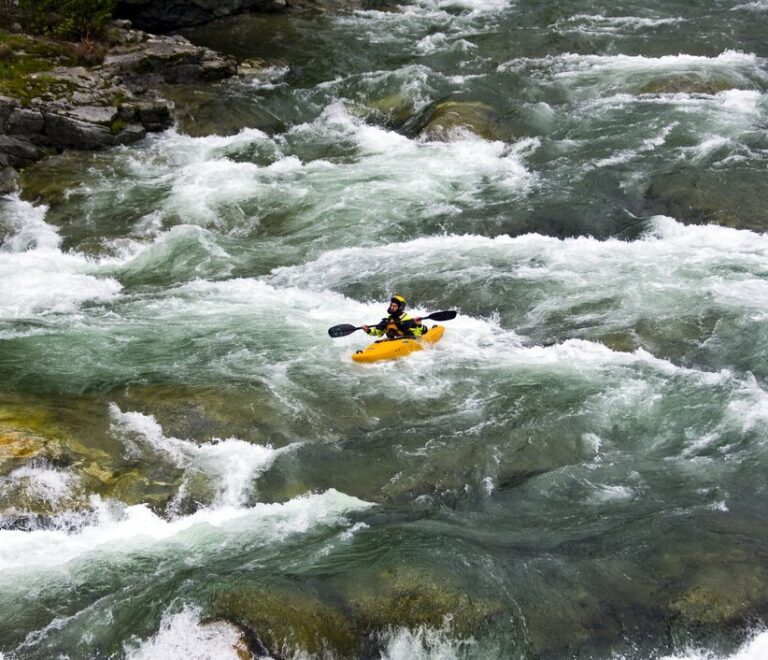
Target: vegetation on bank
<point>55,33</point>
<point>65,19</point>
<point>24,60</point>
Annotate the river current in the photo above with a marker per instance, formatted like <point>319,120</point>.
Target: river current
<point>576,470</point>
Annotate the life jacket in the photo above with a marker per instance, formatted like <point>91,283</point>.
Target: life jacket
<point>392,327</point>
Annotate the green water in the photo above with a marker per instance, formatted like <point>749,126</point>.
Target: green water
<point>575,470</point>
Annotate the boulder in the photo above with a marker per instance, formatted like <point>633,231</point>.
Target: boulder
<point>170,60</point>
<point>17,151</point>
<point>289,622</point>
<point>450,120</point>
<point>155,115</point>
<point>64,131</point>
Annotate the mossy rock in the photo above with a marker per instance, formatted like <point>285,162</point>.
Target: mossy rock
<point>393,110</point>
<point>621,342</point>
<point>27,432</point>
<point>289,623</point>
<point>16,445</point>
<point>133,487</point>
<point>23,75</point>
<point>411,598</point>
<point>448,120</point>
<point>724,593</point>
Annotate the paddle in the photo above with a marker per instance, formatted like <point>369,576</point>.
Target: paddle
<point>347,329</point>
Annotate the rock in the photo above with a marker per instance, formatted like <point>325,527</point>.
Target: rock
<point>93,108</point>
<point>289,623</point>
<point>393,111</point>
<point>19,151</point>
<point>155,115</point>
<point>15,444</point>
<point>65,131</point>
<point>170,60</point>
<point>102,115</point>
<point>710,196</point>
<point>129,133</point>
<point>449,120</point>
<point>8,179</point>
<point>23,121</point>
<point>409,597</point>
<point>7,106</point>
<point>686,84</point>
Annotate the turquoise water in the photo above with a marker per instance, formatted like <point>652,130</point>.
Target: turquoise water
<point>575,470</point>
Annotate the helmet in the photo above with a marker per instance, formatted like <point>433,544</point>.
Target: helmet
<point>400,302</point>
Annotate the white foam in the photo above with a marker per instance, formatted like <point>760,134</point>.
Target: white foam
<point>441,42</point>
<point>122,530</point>
<point>39,483</point>
<point>183,635</point>
<point>601,79</point>
<point>758,5</point>
<point>27,228</point>
<point>607,493</point>
<point>382,175</point>
<point>232,464</point>
<point>425,643</point>
<point>755,648</point>
<point>35,276</point>
<point>613,24</point>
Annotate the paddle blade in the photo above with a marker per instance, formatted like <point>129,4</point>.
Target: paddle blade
<point>342,330</point>
<point>447,315</point>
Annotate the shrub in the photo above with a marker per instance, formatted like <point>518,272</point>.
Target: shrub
<point>67,19</point>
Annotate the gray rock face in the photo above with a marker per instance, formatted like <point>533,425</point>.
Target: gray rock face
<point>19,151</point>
<point>7,179</point>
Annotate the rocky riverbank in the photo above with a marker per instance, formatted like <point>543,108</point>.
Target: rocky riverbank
<point>92,107</point>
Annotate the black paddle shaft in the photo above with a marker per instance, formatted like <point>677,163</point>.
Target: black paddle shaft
<point>344,329</point>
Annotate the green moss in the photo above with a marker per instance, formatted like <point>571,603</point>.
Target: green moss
<point>411,599</point>
<point>75,19</point>
<point>22,73</point>
<point>290,622</point>
<point>118,99</point>
<point>116,126</point>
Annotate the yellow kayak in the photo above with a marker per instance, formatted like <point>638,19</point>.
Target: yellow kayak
<point>392,349</point>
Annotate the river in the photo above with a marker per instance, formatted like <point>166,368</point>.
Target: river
<point>189,463</point>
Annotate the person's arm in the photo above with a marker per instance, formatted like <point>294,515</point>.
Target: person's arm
<point>419,328</point>
<point>377,330</point>
<point>414,326</point>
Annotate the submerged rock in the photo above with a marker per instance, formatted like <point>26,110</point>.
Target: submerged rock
<point>355,621</point>
<point>289,623</point>
<point>410,598</point>
<point>686,84</point>
<point>702,195</point>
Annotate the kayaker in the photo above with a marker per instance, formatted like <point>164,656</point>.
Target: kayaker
<point>397,323</point>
